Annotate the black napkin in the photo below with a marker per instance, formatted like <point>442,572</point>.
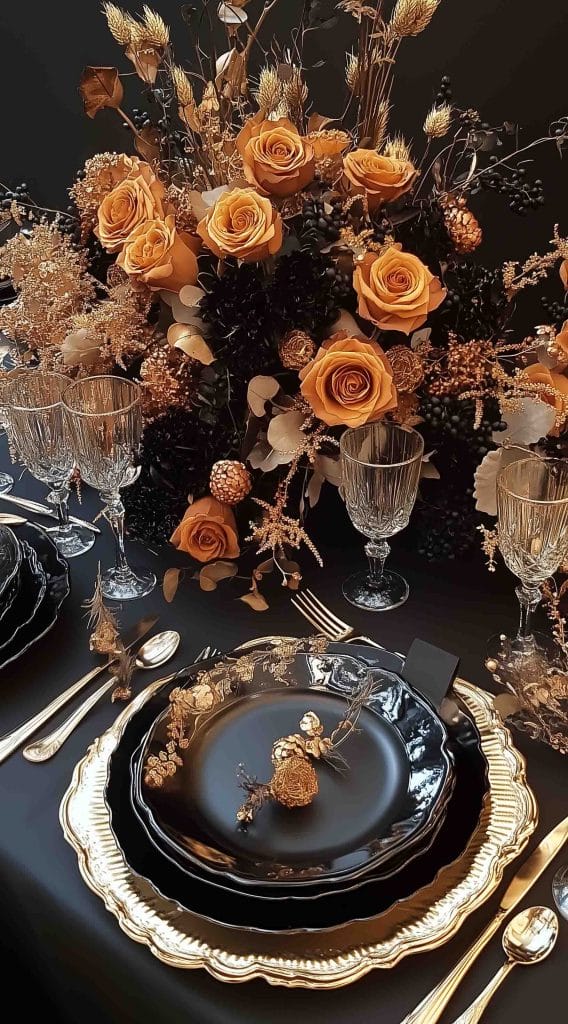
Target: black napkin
<point>430,670</point>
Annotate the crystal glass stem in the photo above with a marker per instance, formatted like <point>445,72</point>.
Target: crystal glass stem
<point>529,600</point>
<point>115,514</point>
<point>59,497</point>
<point>377,552</point>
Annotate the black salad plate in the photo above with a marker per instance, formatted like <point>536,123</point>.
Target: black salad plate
<point>275,894</point>
<point>31,590</point>
<point>394,789</point>
<point>250,909</point>
<point>10,559</point>
<point>56,572</point>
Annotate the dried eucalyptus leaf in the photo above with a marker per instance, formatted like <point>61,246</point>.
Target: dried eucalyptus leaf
<point>170,584</point>
<point>100,87</point>
<point>285,433</point>
<point>260,390</point>
<point>255,600</point>
<point>213,573</point>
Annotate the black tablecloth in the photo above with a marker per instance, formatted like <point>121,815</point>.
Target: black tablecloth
<point>63,954</point>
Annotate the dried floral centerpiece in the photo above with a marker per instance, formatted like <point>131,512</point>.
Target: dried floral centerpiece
<point>273,275</point>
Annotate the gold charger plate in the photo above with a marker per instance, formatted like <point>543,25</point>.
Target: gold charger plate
<point>323,960</point>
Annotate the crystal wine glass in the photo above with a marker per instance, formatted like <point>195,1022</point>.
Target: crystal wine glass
<point>39,432</point>
<point>6,480</point>
<point>106,424</point>
<point>380,470</point>
<point>532,531</point>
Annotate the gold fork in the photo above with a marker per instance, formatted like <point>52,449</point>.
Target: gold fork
<point>326,622</point>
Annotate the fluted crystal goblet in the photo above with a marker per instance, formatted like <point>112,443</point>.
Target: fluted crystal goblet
<point>105,418</point>
<point>380,470</point>
<point>39,433</point>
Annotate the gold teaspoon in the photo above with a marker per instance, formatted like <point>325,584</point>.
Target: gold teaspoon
<point>527,939</point>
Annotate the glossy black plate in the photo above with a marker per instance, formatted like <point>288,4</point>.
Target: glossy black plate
<point>31,591</point>
<point>394,789</point>
<point>251,910</point>
<point>225,882</point>
<point>10,558</point>
<point>57,588</point>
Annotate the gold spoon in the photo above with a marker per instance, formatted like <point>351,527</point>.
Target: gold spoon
<point>527,939</point>
<point>155,652</point>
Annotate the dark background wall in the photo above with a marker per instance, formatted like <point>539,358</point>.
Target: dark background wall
<point>507,58</point>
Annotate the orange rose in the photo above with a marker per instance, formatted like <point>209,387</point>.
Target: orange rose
<point>207,531</point>
<point>242,224</point>
<point>328,142</point>
<point>136,198</point>
<point>561,341</point>
<point>349,382</point>
<point>160,256</point>
<point>380,178</point>
<point>276,159</point>
<point>540,375</point>
<point>396,291</point>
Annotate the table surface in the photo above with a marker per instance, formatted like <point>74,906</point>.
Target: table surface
<point>64,952</point>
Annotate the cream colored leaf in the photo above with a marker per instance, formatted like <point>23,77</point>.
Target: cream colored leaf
<point>192,344</point>
<point>170,584</point>
<point>231,15</point>
<point>190,295</point>
<point>345,322</point>
<point>284,432</point>
<point>528,423</point>
<point>78,349</point>
<point>313,490</point>
<point>506,704</point>
<point>419,337</point>
<point>329,468</point>
<point>485,477</point>
<point>260,390</point>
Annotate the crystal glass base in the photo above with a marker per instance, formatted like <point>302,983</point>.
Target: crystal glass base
<point>560,890</point>
<point>390,592</point>
<point>6,483</point>
<point>73,542</point>
<point>506,656</point>
<point>127,584</point>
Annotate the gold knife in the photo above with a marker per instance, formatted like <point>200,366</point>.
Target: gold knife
<point>12,740</point>
<point>431,1008</point>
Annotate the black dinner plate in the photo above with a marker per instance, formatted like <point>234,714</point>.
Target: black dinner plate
<point>394,789</point>
<point>57,573</point>
<point>10,559</point>
<point>250,910</point>
<point>31,591</point>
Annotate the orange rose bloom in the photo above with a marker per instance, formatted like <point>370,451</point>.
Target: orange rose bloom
<point>349,382</point>
<point>276,159</point>
<point>160,256</point>
<point>561,340</point>
<point>328,142</point>
<point>136,198</point>
<point>242,224</point>
<point>207,531</point>
<point>380,178</point>
<point>396,291</point>
<point>540,375</point>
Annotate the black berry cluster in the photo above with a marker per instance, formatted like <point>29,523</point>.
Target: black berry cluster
<point>476,305</point>
<point>556,312</point>
<point>449,421</point>
<point>19,194</point>
<point>444,94</point>
<point>140,119</point>
<point>444,523</point>
<point>321,226</point>
<point>522,193</point>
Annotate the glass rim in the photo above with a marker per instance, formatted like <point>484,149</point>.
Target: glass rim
<point>523,497</point>
<point>109,412</point>
<point>382,465</point>
<point>34,408</point>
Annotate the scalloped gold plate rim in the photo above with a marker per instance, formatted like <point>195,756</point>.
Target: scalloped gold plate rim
<point>340,956</point>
